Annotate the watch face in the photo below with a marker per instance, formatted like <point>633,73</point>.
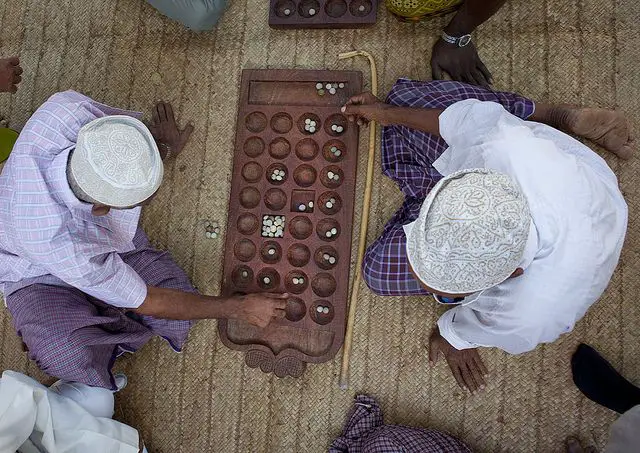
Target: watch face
<point>464,40</point>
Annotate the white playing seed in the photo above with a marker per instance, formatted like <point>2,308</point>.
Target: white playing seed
<point>208,235</point>
<point>329,205</point>
<point>334,231</point>
<point>328,86</point>
<point>337,153</point>
<point>273,229</point>
<point>295,281</point>
<point>302,207</point>
<point>307,121</point>
<point>326,256</point>
<point>319,309</point>
<point>325,310</point>
<point>287,12</point>
<point>334,149</point>
<point>312,12</point>
<point>265,217</point>
<point>332,200</point>
<point>333,127</point>
<point>271,235</point>
<point>278,178</point>
<point>361,8</point>
<point>330,174</point>
<point>339,129</point>
<point>328,234</point>
<point>332,260</point>
<point>311,204</point>
<point>214,235</point>
<point>312,129</point>
<point>319,86</point>
<point>341,85</point>
<point>268,222</point>
<point>332,91</point>
<point>245,274</point>
<point>216,230</point>
<point>271,251</point>
<point>336,177</point>
<point>301,280</point>
<point>266,280</point>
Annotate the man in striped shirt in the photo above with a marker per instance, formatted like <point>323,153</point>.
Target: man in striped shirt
<point>79,276</point>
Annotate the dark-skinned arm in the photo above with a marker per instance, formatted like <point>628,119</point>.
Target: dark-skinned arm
<point>365,107</point>
<point>471,14</point>
<point>258,309</point>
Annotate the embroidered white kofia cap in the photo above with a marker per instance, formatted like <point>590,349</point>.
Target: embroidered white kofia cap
<point>471,232</point>
<point>116,162</point>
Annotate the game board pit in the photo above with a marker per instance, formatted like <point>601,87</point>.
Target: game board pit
<point>335,8</point>
<point>295,309</point>
<point>279,148</point>
<point>268,279</point>
<point>256,122</point>
<point>296,282</point>
<point>247,223</point>
<point>271,252</point>
<point>275,199</point>
<point>298,255</point>
<point>244,250</point>
<point>282,6</point>
<point>250,197</point>
<point>319,316</point>
<point>332,176</point>
<point>300,227</point>
<point>242,276</point>
<point>326,257</point>
<point>303,201</point>
<point>330,203</point>
<point>308,8</point>
<point>308,116</point>
<point>282,177</point>
<point>323,284</point>
<point>281,123</point>
<point>360,8</point>
<point>336,120</point>
<point>334,151</point>
<point>305,175</point>
<point>328,230</point>
<point>252,171</point>
<point>254,146</point>
<point>306,149</point>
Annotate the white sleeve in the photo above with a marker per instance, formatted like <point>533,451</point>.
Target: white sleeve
<point>465,328</point>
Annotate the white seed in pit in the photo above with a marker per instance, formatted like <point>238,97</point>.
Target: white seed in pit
<point>337,153</point>
<point>271,235</point>
<point>319,309</point>
<point>312,129</point>
<point>328,86</point>
<point>271,251</point>
<point>329,205</point>
<point>330,175</point>
<point>245,274</point>
<point>313,124</point>
<point>266,280</point>
<point>295,281</point>
<point>341,85</point>
<point>319,86</point>
<point>302,207</point>
<point>311,204</point>
<point>268,222</point>
<point>328,234</point>
<point>334,149</point>
<point>332,260</point>
<point>278,178</point>
<point>326,257</point>
<point>282,173</point>
<point>334,231</point>
<point>325,310</point>
<point>333,127</point>
<point>265,217</point>
<point>339,129</point>
<point>312,12</point>
<point>287,12</point>
<point>332,91</point>
<point>336,177</point>
<point>361,8</point>
<point>307,121</point>
<point>273,229</point>
<point>332,200</point>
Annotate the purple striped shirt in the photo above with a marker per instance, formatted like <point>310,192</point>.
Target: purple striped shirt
<point>49,236</point>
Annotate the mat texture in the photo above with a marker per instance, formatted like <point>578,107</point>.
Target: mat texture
<point>125,54</point>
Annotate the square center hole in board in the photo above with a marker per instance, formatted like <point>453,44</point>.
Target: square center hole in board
<point>273,226</point>
<point>302,200</point>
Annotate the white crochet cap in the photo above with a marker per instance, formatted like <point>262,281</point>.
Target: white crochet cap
<point>116,162</point>
<point>471,232</point>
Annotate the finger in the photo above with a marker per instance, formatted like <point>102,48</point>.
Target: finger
<point>13,89</point>
<point>162,111</point>
<point>186,133</point>
<point>155,114</point>
<point>358,98</point>
<point>276,295</point>
<point>352,109</point>
<point>485,72</point>
<point>478,78</point>
<point>480,364</point>
<point>458,376</point>
<point>279,304</point>
<point>434,353</point>
<point>169,109</point>
<point>15,61</point>
<point>467,78</point>
<point>18,71</point>
<point>17,80</point>
<point>468,377</point>
<point>436,72</point>
<point>279,313</point>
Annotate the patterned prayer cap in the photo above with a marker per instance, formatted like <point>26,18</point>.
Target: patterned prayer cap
<point>116,162</point>
<point>471,232</point>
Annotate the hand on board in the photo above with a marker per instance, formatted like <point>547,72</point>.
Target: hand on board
<point>10,72</point>
<point>365,107</point>
<point>259,308</point>
<point>164,129</point>
<point>461,63</point>
<point>466,365</point>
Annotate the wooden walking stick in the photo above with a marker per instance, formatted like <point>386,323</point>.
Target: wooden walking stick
<point>364,223</point>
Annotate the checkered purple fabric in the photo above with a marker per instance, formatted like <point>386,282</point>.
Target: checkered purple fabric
<point>407,157</point>
<point>365,432</point>
<point>76,337</point>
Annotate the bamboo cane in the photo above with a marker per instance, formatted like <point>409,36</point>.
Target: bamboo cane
<point>364,223</point>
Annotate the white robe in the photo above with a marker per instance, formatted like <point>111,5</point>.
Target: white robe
<point>579,220</point>
<point>36,419</point>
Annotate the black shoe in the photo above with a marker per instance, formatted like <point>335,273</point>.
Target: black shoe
<point>600,382</point>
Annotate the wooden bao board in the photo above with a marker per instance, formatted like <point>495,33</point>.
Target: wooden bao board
<point>270,134</point>
<point>328,13</point>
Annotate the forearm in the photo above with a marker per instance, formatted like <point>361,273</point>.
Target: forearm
<point>169,303</point>
<point>471,14</point>
<point>556,116</point>
<point>421,119</point>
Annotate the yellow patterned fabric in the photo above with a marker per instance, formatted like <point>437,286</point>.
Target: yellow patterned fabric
<point>419,9</point>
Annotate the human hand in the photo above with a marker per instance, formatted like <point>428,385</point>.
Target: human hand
<point>365,107</point>
<point>461,63</point>
<point>10,71</point>
<point>466,365</point>
<point>164,129</point>
<point>258,308</point>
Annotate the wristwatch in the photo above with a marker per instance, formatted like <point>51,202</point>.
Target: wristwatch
<point>460,41</point>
